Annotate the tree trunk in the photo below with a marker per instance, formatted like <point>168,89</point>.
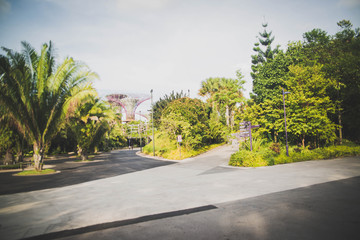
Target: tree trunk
<point>83,153</point>
<point>232,116</point>
<point>9,158</point>
<point>340,129</point>
<point>84,156</point>
<point>38,157</point>
<point>20,156</point>
<point>303,142</point>
<point>215,111</point>
<point>227,115</point>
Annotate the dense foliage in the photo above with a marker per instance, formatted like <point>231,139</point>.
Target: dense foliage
<point>90,122</point>
<point>263,54</point>
<point>38,97</point>
<point>323,78</point>
<point>186,117</point>
<point>266,155</point>
<point>223,95</point>
<point>189,118</point>
<point>162,103</point>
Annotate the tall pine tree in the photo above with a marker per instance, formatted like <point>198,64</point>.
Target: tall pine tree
<point>263,83</point>
<point>264,52</point>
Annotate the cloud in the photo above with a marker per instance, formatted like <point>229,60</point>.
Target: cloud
<point>141,4</point>
<point>349,3</point>
<point>5,7</point>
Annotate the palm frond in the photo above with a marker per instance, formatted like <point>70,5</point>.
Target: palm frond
<point>31,56</point>
<point>42,72</point>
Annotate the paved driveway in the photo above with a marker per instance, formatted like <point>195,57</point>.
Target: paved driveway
<point>198,198</point>
<point>105,165</point>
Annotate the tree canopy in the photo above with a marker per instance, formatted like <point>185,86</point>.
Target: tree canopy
<point>322,74</point>
<point>223,94</point>
<point>38,95</point>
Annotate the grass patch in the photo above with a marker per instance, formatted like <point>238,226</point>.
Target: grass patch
<point>34,172</point>
<point>266,155</point>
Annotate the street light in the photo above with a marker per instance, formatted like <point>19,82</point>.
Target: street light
<point>152,121</point>
<point>286,137</point>
<point>140,128</point>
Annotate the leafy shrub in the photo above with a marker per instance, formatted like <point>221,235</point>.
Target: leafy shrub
<point>337,151</point>
<point>281,159</point>
<point>247,159</point>
<point>10,166</point>
<point>169,149</point>
<point>256,144</point>
<point>275,147</point>
<point>297,150</point>
<point>14,166</point>
<point>254,159</point>
<point>186,117</point>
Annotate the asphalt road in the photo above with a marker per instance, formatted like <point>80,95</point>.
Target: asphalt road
<point>104,165</point>
<point>197,198</point>
<point>324,211</point>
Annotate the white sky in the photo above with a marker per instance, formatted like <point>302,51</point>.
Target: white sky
<point>165,45</point>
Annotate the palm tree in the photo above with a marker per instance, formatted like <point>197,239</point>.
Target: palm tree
<point>90,123</point>
<point>39,96</point>
<point>223,93</point>
<point>11,141</point>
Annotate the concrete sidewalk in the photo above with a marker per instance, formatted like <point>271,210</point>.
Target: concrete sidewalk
<point>191,183</point>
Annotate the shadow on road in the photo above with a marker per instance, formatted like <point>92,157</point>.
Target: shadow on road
<point>105,165</point>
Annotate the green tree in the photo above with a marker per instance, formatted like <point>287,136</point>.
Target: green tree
<point>186,117</point>
<point>162,103</point>
<point>308,108</point>
<point>38,96</point>
<point>223,94</point>
<point>309,105</point>
<point>90,122</point>
<point>11,141</point>
<point>339,58</point>
<point>340,55</point>
<point>6,142</point>
<point>263,55</point>
<point>316,38</point>
<point>263,50</point>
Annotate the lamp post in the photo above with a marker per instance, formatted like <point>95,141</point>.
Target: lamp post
<point>152,121</point>
<point>286,137</point>
<point>140,128</point>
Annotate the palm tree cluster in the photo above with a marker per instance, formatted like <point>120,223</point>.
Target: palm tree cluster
<point>223,94</point>
<point>39,96</point>
<point>90,122</point>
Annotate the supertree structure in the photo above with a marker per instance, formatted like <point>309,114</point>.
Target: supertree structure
<point>114,100</point>
<point>128,103</point>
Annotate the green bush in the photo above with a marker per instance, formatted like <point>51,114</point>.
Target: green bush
<point>169,149</point>
<point>247,159</point>
<point>275,147</point>
<point>13,166</point>
<point>256,144</point>
<point>319,153</point>
<point>266,156</point>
